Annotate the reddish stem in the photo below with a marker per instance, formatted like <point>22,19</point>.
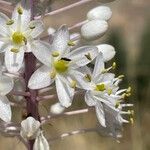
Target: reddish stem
<point>30,66</point>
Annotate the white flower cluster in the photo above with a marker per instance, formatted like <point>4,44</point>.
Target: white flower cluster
<point>65,67</point>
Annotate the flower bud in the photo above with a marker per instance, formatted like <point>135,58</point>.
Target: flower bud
<point>94,29</point>
<point>108,51</point>
<point>100,12</point>
<point>30,128</point>
<point>41,143</point>
<point>57,108</point>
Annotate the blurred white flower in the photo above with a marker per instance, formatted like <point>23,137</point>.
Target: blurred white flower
<point>100,12</point>
<point>94,29</point>
<point>6,85</point>
<point>61,65</point>
<point>30,128</point>
<point>57,108</point>
<point>106,96</point>
<point>17,34</point>
<point>41,143</point>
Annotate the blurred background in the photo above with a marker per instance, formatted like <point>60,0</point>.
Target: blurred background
<point>129,33</point>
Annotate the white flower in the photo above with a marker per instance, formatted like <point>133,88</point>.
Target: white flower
<point>94,29</point>
<point>6,85</point>
<point>100,12</point>
<point>16,36</point>
<point>30,128</point>
<point>106,96</point>
<point>41,143</point>
<point>61,66</point>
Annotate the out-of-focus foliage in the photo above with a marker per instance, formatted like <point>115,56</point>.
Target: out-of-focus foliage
<point>143,64</point>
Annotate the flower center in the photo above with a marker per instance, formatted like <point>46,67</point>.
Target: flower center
<point>18,38</point>
<point>100,87</point>
<point>61,66</point>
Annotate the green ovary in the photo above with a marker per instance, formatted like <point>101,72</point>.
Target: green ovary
<point>100,87</point>
<point>61,66</point>
<point>18,38</point>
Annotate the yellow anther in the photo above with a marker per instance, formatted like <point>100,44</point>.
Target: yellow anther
<point>18,38</point>
<point>100,87</point>
<point>131,112</point>
<point>109,91</point>
<point>10,22</point>
<point>104,71</point>
<point>121,76</point>
<point>20,10</point>
<point>32,27</point>
<point>88,56</point>
<point>131,120</point>
<point>53,74</point>
<point>61,66</point>
<point>14,50</point>
<point>55,53</point>
<point>128,94</point>
<point>88,77</point>
<point>71,43</point>
<point>117,104</point>
<point>123,95</point>
<point>73,84</point>
<point>128,90</point>
<point>114,65</point>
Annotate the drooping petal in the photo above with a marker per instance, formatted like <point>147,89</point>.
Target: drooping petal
<point>25,17</point>
<point>38,28</point>
<point>83,55</point>
<point>41,143</point>
<point>64,91</point>
<point>30,128</point>
<point>108,51</point>
<point>5,109</point>
<point>89,99</point>
<point>6,85</point>
<point>99,66</point>
<point>14,61</point>
<point>100,12</point>
<point>94,29</point>
<point>61,39</point>
<point>100,113</point>
<point>42,52</point>
<point>40,78</point>
<point>80,78</point>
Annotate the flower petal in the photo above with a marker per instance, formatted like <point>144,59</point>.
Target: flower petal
<point>5,109</point>
<point>6,85</point>
<point>3,19</point>
<point>41,143</point>
<point>39,28</point>
<point>108,51</point>
<point>81,80</point>
<point>99,66</point>
<point>25,17</point>
<point>83,55</point>
<point>3,46</point>
<point>89,99</point>
<point>14,61</point>
<point>61,39</point>
<point>100,114</point>
<point>64,91</point>
<point>40,78</point>
<point>42,52</point>
<point>57,108</point>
